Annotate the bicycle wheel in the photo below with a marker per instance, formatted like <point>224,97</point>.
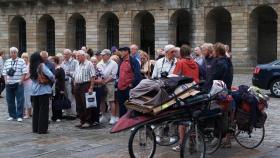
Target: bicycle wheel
<point>166,134</point>
<point>212,139</point>
<point>142,142</point>
<point>250,139</point>
<point>193,145</point>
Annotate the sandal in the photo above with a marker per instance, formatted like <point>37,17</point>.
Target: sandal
<point>177,148</point>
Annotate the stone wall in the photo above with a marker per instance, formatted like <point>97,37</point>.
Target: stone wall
<point>244,37</point>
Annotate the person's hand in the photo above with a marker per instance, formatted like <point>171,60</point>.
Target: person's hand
<point>130,85</point>
<point>61,92</point>
<point>90,90</point>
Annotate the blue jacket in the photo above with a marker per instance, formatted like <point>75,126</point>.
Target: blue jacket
<point>223,70</point>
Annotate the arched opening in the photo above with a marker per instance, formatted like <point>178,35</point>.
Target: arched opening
<point>180,27</point>
<point>218,26</point>
<point>263,35</point>
<point>76,31</point>
<point>46,34</point>
<point>17,34</point>
<point>144,32</point>
<point>109,31</point>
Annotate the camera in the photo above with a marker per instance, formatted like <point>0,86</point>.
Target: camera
<point>11,72</point>
<point>164,74</point>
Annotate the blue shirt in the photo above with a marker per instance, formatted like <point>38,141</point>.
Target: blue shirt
<point>41,89</point>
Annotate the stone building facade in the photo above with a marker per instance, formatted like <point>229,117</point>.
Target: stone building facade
<point>250,27</point>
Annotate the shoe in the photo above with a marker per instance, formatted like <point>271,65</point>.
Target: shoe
<point>112,120</point>
<point>157,139</point>
<point>58,120</point>
<point>10,119</point>
<point>172,140</point>
<point>102,119</point>
<point>26,117</point>
<point>214,142</point>
<point>19,119</point>
<point>226,144</point>
<point>79,125</point>
<point>85,125</point>
<point>177,148</point>
<point>117,119</point>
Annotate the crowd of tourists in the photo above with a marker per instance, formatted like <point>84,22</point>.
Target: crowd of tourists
<point>35,82</point>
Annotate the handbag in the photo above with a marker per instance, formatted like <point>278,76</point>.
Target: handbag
<point>61,102</point>
<point>91,100</point>
<point>42,78</point>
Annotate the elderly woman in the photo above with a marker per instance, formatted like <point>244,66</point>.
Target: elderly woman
<point>27,84</point>
<point>41,92</point>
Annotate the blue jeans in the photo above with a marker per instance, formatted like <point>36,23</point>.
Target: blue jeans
<point>123,97</point>
<point>15,92</point>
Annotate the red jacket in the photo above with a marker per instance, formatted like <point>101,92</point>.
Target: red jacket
<point>187,67</point>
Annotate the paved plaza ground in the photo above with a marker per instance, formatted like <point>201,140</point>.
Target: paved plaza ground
<point>64,140</point>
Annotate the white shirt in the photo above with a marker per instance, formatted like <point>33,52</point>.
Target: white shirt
<point>20,69</point>
<point>69,66</point>
<point>163,65</point>
<point>109,69</point>
<point>84,72</point>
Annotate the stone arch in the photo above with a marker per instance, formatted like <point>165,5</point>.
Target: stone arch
<point>263,34</point>
<point>46,34</point>
<point>108,30</point>
<point>76,31</point>
<point>17,34</point>
<point>144,32</point>
<point>180,27</point>
<point>218,26</point>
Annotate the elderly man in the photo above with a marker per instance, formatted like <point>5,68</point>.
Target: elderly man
<point>45,57</point>
<point>84,82</point>
<point>109,69</point>
<point>165,66</point>
<point>69,65</point>
<point>134,52</point>
<point>14,72</point>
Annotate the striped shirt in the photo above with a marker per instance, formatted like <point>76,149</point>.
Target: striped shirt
<point>69,66</point>
<point>20,69</point>
<point>84,72</point>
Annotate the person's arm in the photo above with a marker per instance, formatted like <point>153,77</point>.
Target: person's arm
<point>154,75</point>
<point>137,73</point>
<point>4,72</point>
<point>178,69</point>
<point>24,72</point>
<point>92,77</point>
<point>48,72</point>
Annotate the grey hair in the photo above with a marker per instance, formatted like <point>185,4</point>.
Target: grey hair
<point>14,50</point>
<point>67,51</point>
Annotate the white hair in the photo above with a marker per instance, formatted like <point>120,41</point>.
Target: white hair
<point>133,46</point>
<point>13,50</point>
<point>67,51</point>
<point>81,52</point>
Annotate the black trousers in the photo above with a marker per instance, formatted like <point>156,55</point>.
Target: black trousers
<point>56,113</point>
<point>85,114</point>
<point>40,119</point>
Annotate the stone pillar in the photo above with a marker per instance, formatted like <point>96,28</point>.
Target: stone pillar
<point>60,32</point>
<point>31,33</point>
<point>4,34</point>
<point>240,43</point>
<point>91,30</point>
<point>161,28</point>
<point>125,28</point>
<point>198,26</point>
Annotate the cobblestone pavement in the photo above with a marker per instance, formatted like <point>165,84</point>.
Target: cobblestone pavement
<point>64,140</point>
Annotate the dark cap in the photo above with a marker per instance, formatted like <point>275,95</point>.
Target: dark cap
<point>124,49</point>
<point>97,52</point>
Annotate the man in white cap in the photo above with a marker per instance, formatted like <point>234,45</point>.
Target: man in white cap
<point>165,66</point>
<point>109,69</point>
